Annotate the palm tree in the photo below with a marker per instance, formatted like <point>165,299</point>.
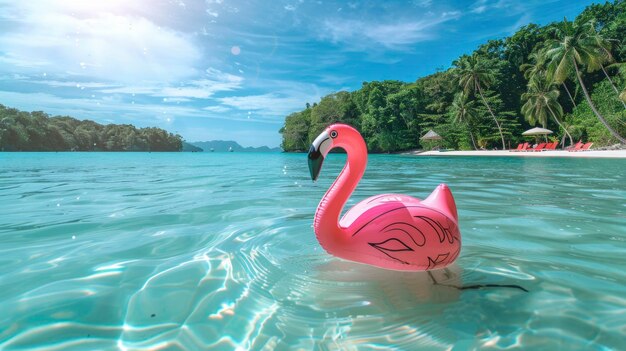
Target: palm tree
<point>574,47</point>
<point>542,102</point>
<point>603,45</point>
<point>473,74</point>
<point>464,111</point>
<point>623,95</point>
<point>540,66</point>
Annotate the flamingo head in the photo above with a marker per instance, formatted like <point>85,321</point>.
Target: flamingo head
<point>327,140</point>
<point>336,135</point>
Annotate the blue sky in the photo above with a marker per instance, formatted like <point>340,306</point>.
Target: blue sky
<point>232,69</point>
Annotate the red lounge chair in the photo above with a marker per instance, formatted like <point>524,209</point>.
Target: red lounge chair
<point>585,147</point>
<point>551,146</point>
<point>538,147</point>
<point>577,146</point>
<point>520,147</point>
<point>541,147</point>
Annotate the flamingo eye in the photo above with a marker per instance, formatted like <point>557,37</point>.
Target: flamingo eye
<point>333,134</point>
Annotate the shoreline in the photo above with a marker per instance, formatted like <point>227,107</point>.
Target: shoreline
<point>506,153</point>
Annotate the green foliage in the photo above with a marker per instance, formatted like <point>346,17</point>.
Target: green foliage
<point>296,131</point>
<point>465,112</point>
<point>474,74</point>
<point>337,107</point>
<point>577,45</point>
<point>541,101</point>
<point>493,94</point>
<point>610,20</point>
<point>509,121</point>
<point>586,126</point>
<point>36,131</point>
<point>572,47</point>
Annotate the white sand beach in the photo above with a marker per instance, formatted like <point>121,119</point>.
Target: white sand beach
<point>553,153</point>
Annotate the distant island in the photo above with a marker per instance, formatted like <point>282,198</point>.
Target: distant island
<point>190,148</point>
<point>37,131</point>
<point>225,146</point>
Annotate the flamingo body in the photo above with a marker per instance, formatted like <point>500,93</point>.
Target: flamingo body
<point>391,231</point>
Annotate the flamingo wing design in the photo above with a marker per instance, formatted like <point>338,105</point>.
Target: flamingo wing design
<point>442,232</point>
<point>410,234</point>
<point>401,237</point>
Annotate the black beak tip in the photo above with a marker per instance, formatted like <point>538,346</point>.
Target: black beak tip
<point>315,162</point>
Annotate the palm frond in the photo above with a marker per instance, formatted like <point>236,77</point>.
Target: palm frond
<point>563,69</point>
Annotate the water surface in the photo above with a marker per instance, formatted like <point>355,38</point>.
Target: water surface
<point>146,251</point>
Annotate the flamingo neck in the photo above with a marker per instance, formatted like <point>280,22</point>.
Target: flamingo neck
<point>326,225</point>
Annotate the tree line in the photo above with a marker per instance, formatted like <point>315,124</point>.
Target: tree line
<point>37,131</point>
<point>565,76</point>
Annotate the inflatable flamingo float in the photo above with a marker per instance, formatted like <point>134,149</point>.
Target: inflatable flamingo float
<point>390,231</point>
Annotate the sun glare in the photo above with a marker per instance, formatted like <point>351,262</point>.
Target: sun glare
<point>91,7</point>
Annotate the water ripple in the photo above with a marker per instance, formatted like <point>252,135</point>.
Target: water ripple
<point>216,251</point>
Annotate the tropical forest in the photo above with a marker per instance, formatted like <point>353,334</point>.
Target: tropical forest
<point>567,76</point>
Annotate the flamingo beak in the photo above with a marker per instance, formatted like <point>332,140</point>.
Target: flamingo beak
<point>316,159</point>
<point>318,150</point>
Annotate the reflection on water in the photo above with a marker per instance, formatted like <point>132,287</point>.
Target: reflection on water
<point>216,251</point>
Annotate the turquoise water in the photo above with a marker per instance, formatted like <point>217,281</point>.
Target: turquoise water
<point>149,251</point>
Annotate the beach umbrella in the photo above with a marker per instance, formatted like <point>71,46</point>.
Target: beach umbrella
<point>537,131</point>
<point>431,135</point>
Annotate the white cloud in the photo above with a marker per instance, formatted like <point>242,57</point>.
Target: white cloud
<point>94,108</point>
<point>213,81</point>
<point>69,40</point>
<point>199,89</point>
<point>360,35</point>
<point>270,105</point>
<point>176,99</point>
<point>132,90</point>
<point>450,15</point>
<point>216,108</point>
<point>423,3</point>
<point>479,6</point>
<point>56,83</point>
<point>512,7</point>
<point>194,92</point>
<point>113,109</point>
<point>284,98</point>
<point>479,9</point>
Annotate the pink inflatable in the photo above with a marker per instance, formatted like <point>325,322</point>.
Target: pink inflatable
<point>391,231</point>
